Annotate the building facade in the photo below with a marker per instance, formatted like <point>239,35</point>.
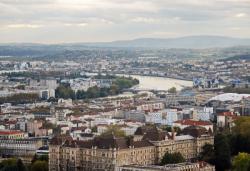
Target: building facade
<point>21,148</point>
<point>147,147</point>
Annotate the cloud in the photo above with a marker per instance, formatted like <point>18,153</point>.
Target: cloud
<point>148,20</point>
<point>241,15</point>
<point>33,26</point>
<point>117,19</point>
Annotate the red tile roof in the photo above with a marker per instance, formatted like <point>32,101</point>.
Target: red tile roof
<point>9,132</point>
<point>226,114</point>
<point>193,122</point>
<point>10,122</point>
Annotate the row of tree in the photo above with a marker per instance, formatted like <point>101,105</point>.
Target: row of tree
<point>240,90</point>
<point>219,154</point>
<point>20,98</point>
<point>227,145</point>
<point>14,164</point>
<point>118,84</point>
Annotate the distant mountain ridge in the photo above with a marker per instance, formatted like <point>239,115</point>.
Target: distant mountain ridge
<point>192,42</point>
<point>238,57</point>
<point>219,46</point>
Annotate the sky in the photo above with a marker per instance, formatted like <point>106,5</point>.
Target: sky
<point>64,21</point>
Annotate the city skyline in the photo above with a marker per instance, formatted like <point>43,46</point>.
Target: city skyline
<point>62,21</point>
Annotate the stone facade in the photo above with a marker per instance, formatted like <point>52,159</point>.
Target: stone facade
<point>147,147</point>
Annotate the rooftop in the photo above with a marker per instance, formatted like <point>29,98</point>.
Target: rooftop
<point>193,122</point>
<point>9,132</point>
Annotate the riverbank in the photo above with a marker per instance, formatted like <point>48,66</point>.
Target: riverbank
<point>148,75</point>
<point>159,83</point>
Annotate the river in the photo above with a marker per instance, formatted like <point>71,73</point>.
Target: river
<point>160,83</point>
<point>157,83</point>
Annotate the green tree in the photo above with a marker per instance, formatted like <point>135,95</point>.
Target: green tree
<point>222,152</point>
<point>104,92</point>
<point>39,166</point>
<point>93,92</point>
<point>240,90</point>
<point>20,165</point>
<point>94,129</point>
<point>20,98</point>
<point>173,158</point>
<point>39,158</point>
<point>172,90</point>
<point>242,125</point>
<point>115,130</point>
<point>125,82</point>
<point>12,164</point>
<point>8,165</point>
<point>80,94</point>
<point>64,91</point>
<point>114,89</point>
<point>240,137</point>
<point>208,154</point>
<point>169,129</point>
<point>241,162</point>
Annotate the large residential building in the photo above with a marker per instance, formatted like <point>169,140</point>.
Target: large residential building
<point>146,147</point>
<point>11,134</point>
<point>21,148</point>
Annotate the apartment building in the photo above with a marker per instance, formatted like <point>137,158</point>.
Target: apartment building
<point>146,147</point>
<point>21,148</point>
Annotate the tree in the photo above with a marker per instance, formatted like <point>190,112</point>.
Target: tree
<point>20,165</point>
<point>20,98</point>
<point>241,162</point>
<point>115,130</point>
<point>39,166</point>
<point>169,129</point>
<point>20,87</point>
<point>93,92</point>
<point>94,129</point>
<point>242,125</point>
<point>208,154</point>
<point>114,89</point>
<point>173,158</point>
<point>222,152</point>
<point>172,90</point>
<point>80,94</point>
<point>240,137</point>
<point>64,91</point>
<point>104,92</point>
<point>12,165</point>
<point>8,165</point>
<point>40,158</point>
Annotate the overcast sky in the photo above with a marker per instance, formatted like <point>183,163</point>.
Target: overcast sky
<point>57,21</point>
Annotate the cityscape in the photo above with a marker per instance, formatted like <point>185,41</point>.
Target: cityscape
<point>80,92</point>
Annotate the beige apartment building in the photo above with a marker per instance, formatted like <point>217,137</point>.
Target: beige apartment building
<point>146,147</point>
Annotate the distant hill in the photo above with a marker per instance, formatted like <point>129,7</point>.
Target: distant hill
<point>239,57</point>
<point>184,47</point>
<point>190,42</point>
